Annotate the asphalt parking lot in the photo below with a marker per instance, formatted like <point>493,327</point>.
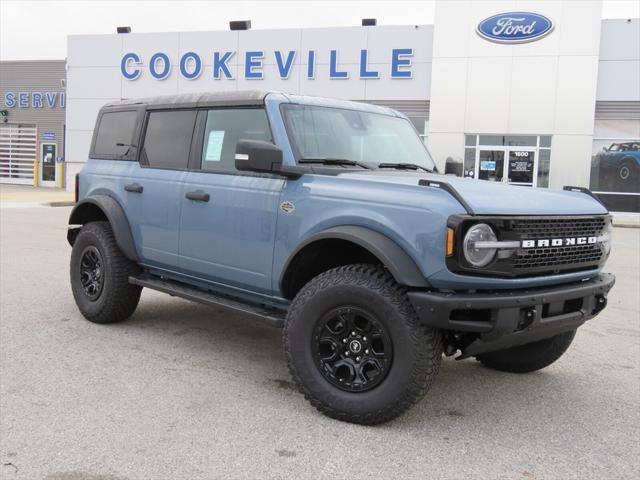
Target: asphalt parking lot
<point>182,391</point>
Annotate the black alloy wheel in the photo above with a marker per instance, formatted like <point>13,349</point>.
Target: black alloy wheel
<point>92,272</point>
<point>352,349</point>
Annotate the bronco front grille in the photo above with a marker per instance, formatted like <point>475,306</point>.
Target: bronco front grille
<point>538,260</point>
<point>573,256</point>
<point>563,227</point>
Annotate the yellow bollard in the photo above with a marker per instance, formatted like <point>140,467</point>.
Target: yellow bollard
<point>35,172</point>
<point>60,174</point>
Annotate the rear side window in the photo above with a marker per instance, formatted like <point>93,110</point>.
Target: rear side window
<point>114,137</point>
<point>168,139</point>
<point>224,128</point>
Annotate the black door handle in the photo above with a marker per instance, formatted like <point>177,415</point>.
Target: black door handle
<point>198,196</point>
<point>133,188</point>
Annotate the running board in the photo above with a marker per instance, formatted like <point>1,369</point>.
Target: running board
<point>273,317</point>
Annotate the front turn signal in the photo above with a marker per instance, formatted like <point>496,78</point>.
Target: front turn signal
<point>449,242</point>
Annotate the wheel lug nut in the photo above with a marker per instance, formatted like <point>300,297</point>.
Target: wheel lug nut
<point>353,334</point>
<point>364,339</point>
<point>344,340</point>
<point>357,359</point>
<point>347,353</point>
<point>366,351</point>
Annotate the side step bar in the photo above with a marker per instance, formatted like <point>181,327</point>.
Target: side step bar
<point>272,317</point>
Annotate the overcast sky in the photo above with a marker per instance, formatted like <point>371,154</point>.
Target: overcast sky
<point>34,30</point>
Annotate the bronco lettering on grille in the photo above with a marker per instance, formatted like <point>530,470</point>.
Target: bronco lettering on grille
<point>558,242</point>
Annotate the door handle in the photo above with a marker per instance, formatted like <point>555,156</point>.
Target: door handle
<point>133,188</point>
<point>198,196</point>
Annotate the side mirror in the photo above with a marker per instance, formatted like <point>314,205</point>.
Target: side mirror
<point>453,167</point>
<point>258,156</point>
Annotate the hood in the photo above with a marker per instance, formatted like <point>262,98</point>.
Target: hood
<point>490,198</point>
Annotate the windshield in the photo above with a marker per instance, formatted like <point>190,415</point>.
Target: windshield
<point>371,138</point>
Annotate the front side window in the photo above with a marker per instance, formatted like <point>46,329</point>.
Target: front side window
<point>224,128</point>
<point>167,140</point>
<point>363,137</point>
<point>114,137</point>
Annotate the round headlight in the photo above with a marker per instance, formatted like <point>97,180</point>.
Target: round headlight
<point>479,255</point>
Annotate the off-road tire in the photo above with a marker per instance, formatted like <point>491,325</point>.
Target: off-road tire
<point>417,350</point>
<point>118,298</point>
<point>530,357</point>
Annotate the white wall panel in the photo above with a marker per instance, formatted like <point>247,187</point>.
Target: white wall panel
<point>580,28</point>
<point>488,94</point>
<point>323,86</point>
<point>82,82</point>
<point>269,41</point>
<point>382,40</point>
<point>272,80</point>
<point>618,80</point>
<point>148,44</point>
<point>348,41</point>
<point>147,86</point>
<point>94,50</point>
<point>77,149</point>
<point>576,94</point>
<point>85,112</point>
<point>450,40</point>
<point>570,160</point>
<point>399,88</point>
<point>205,43</point>
<point>451,101</point>
<point>533,94</point>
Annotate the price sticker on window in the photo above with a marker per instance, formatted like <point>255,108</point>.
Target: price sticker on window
<point>214,146</point>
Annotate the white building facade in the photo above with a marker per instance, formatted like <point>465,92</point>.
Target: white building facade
<point>535,113</point>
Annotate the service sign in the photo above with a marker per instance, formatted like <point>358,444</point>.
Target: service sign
<point>514,27</point>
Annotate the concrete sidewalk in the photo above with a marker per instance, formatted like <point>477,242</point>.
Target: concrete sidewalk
<point>25,196</point>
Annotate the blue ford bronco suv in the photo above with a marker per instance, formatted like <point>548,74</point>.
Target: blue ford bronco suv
<point>329,219</point>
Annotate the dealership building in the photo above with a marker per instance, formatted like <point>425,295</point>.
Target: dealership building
<point>539,94</point>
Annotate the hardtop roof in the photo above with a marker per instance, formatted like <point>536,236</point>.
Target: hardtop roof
<point>241,98</point>
<point>202,99</point>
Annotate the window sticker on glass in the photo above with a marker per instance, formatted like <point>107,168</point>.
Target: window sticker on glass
<point>214,146</point>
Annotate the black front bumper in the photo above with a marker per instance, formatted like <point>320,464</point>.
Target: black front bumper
<point>503,319</point>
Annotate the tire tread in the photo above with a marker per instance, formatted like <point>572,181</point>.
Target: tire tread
<point>429,341</point>
<point>121,298</point>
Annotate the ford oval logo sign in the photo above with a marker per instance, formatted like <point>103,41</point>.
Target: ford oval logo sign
<point>514,27</point>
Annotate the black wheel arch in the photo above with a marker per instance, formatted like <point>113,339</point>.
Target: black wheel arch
<point>98,208</point>
<point>368,245</point>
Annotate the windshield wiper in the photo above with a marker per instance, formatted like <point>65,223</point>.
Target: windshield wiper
<point>404,166</point>
<point>333,161</point>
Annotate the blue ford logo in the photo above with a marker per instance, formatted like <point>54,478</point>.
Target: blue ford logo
<point>514,27</point>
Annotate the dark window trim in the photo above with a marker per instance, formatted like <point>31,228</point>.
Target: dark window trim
<point>132,156</point>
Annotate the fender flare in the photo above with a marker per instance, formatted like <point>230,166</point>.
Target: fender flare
<point>115,216</point>
<point>393,257</point>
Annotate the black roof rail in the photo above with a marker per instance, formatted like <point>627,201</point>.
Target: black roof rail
<point>586,191</point>
<point>447,187</point>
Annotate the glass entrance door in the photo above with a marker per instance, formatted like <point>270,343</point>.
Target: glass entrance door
<point>48,165</point>
<point>507,165</point>
<point>521,167</point>
<point>490,165</point>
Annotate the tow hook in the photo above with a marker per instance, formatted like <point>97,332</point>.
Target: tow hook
<point>527,318</point>
<point>601,302</point>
